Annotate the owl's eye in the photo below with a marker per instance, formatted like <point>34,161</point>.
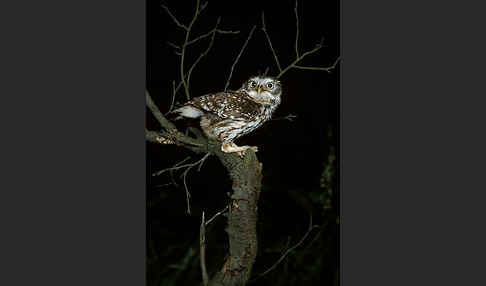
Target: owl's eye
<point>252,84</point>
<point>269,85</point>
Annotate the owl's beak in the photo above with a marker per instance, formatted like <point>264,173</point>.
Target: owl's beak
<point>259,90</point>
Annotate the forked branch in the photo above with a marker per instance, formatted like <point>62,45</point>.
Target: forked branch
<point>181,49</point>
<point>298,56</point>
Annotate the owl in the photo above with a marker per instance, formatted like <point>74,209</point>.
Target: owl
<point>228,115</point>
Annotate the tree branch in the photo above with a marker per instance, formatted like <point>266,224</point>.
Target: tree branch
<point>174,18</point>
<point>298,57</point>
<point>328,69</point>
<point>203,53</point>
<point>297,31</point>
<point>202,246</point>
<point>288,251</point>
<point>184,46</point>
<point>216,215</point>
<point>171,135</point>
<point>188,195</point>
<point>264,29</point>
<point>215,30</point>
<point>181,50</point>
<point>289,117</point>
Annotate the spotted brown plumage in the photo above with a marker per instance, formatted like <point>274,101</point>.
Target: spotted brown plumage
<point>228,115</point>
<point>234,105</point>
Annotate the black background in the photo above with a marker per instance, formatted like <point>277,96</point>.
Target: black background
<point>293,153</point>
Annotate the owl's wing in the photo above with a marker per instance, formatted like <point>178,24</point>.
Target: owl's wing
<point>234,105</point>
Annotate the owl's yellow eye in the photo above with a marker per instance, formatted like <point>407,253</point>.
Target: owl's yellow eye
<point>269,85</point>
<point>252,84</point>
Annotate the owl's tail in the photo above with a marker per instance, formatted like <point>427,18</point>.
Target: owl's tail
<point>187,111</point>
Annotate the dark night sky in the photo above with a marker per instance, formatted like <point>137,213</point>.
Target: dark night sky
<point>292,153</point>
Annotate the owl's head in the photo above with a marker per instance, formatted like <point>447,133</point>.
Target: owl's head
<point>263,89</point>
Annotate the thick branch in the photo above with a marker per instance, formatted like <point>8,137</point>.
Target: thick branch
<point>171,135</point>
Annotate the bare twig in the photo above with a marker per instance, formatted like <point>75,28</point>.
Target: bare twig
<point>199,9</point>
<point>181,50</point>
<point>173,98</point>
<point>173,45</point>
<point>184,175</point>
<point>187,28</point>
<point>264,29</point>
<point>215,30</point>
<point>203,53</point>
<point>179,85</point>
<point>188,167</point>
<point>174,18</point>
<point>298,56</point>
<point>297,32</point>
<point>172,172</point>
<point>216,215</point>
<point>162,185</point>
<point>202,243</point>
<point>202,246</point>
<point>174,168</point>
<point>298,59</point>
<point>238,57</point>
<point>328,69</point>
<point>311,227</point>
<point>266,71</point>
<point>188,195</point>
<point>202,161</point>
<point>289,117</point>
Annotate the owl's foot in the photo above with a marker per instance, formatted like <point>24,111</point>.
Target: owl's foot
<point>240,150</point>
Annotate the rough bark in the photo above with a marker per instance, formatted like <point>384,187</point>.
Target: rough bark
<point>246,175</point>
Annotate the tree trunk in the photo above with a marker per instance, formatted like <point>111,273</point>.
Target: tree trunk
<point>246,175</point>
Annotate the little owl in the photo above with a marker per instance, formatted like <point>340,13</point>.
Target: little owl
<point>229,115</point>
